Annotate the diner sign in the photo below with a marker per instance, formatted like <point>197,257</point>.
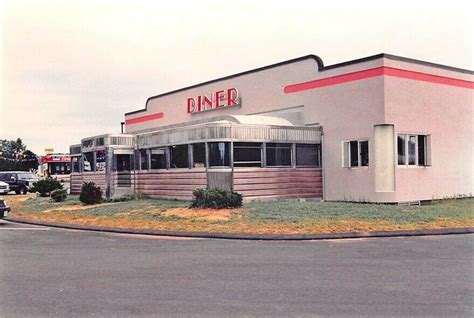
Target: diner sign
<point>217,100</point>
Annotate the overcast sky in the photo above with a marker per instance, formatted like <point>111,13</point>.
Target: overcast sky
<point>71,69</point>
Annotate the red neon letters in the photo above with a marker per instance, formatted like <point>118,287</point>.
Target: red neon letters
<point>219,99</point>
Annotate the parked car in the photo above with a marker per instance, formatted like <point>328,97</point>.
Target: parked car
<point>19,181</point>
<point>4,209</point>
<point>4,187</point>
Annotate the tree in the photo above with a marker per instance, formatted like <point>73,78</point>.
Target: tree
<point>14,155</point>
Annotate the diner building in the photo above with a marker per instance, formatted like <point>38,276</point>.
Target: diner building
<point>378,129</point>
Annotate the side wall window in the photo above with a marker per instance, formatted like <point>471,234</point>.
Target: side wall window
<point>355,153</point>
<point>414,150</point>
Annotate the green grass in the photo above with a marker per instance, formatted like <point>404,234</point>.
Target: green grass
<point>294,211</point>
<point>275,211</point>
<point>143,205</point>
<point>41,204</point>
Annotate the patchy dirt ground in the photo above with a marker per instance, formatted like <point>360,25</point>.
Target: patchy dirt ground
<point>171,216</point>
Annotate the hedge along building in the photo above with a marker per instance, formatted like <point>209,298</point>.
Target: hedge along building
<point>380,129</point>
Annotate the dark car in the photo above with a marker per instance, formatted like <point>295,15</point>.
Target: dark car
<point>4,209</point>
<point>19,181</point>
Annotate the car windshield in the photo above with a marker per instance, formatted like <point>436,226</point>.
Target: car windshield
<point>26,176</point>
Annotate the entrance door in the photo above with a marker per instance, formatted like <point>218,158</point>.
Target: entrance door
<point>123,168</point>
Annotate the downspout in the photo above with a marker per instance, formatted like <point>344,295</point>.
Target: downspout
<point>231,161</point>
<point>323,166</point>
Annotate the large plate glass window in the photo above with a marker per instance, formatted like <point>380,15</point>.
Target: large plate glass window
<point>143,159</point>
<point>179,156</point>
<point>158,158</point>
<point>219,154</point>
<point>75,163</point>
<point>308,155</point>
<point>199,155</point>
<point>247,154</point>
<point>278,154</point>
<point>89,162</point>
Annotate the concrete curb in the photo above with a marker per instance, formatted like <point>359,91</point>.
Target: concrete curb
<point>244,236</point>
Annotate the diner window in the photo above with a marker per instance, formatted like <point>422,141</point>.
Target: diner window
<point>100,157</point>
<point>89,162</point>
<point>158,158</point>
<point>247,154</point>
<point>413,150</point>
<point>356,153</point>
<point>75,164</point>
<point>278,154</point>
<point>179,156</point>
<point>143,159</point>
<point>59,168</point>
<point>199,155</point>
<point>308,155</point>
<point>219,154</point>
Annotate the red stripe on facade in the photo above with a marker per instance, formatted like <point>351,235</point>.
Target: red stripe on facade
<point>396,72</point>
<point>143,119</point>
<point>374,72</point>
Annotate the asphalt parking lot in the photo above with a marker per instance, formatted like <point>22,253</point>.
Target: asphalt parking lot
<point>54,272</point>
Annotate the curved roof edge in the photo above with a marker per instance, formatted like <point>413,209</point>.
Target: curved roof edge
<point>257,120</point>
<point>316,58</point>
<point>321,68</point>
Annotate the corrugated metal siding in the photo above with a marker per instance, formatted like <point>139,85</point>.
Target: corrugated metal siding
<point>255,183</point>
<point>227,132</point>
<point>97,177</point>
<point>171,184</point>
<point>219,179</point>
<point>76,183</point>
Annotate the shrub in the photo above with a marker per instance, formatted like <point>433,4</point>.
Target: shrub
<point>90,193</point>
<point>216,198</point>
<point>59,195</point>
<point>46,186</point>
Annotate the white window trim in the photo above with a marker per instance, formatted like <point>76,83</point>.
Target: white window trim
<point>359,159</point>
<point>406,158</point>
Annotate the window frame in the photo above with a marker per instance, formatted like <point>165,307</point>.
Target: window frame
<point>346,153</point>
<point>292,151</point>
<point>170,155</point>
<point>426,150</point>
<point>248,164</point>
<point>165,154</point>
<point>228,144</point>
<point>318,154</point>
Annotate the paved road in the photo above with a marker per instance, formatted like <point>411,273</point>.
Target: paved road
<point>63,273</point>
